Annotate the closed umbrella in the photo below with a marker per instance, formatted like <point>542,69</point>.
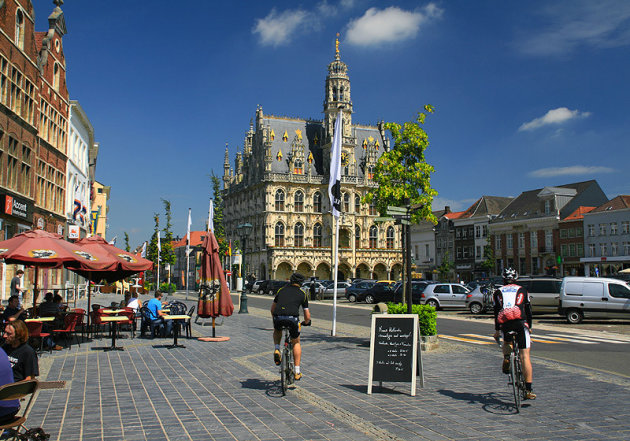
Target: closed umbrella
<point>214,295</point>
<point>41,249</point>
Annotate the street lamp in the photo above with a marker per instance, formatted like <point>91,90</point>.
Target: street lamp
<point>243,231</point>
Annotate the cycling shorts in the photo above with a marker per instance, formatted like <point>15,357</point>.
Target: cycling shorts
<point>290,321</point>
<point>522,337</point>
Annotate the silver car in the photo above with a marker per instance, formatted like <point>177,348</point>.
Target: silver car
<point>480,299</point>
<point>328,290</point>
<point>445,295</point>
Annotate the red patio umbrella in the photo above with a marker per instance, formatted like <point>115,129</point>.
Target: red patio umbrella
<point>41,249</point>
<point>126,263</point>
<point>213,282</point>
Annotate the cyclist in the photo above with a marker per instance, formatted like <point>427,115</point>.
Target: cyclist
<point>513,312</point>
<point>285,310</point>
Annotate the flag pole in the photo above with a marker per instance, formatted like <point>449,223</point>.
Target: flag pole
<point>334,320</point>
<point>187,253</point>
<point>334,193</point>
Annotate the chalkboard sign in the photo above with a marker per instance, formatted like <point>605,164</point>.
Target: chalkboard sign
<point>394,349</point>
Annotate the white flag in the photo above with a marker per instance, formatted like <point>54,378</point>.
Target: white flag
<point>143,253</point>
<point>113,241</point>
<point>159,247</point>
<point>211,216</point>
<point>334,185</point>
<point>188,234</point>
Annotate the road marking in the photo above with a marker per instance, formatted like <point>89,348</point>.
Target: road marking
<point>487,337</point>
<point>468,340</point>
<point>588,339</point>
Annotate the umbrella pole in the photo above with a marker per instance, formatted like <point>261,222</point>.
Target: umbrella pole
<point>35,289</point>
<point>213,334</point>
<point>89,308</point>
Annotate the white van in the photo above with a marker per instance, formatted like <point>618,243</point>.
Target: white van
<point>593,297</point>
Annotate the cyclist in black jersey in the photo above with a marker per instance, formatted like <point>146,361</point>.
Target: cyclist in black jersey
<point>285,310</point>
<point>513,312</point>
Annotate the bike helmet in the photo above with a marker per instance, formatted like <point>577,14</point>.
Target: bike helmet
<point>509,274</point>
<point>297,278</point>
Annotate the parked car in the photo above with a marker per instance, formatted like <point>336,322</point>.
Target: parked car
<point>253,286</point>
<point>544,292</point>
<point>445,295</point>
<point>417,287</point>
<point>353,291</point>
<point>480,299</point>
<point>379,292</point>
<point>328,290</point>
<point>319,286</point>
<point>271,287</point>
<point>593,297</point>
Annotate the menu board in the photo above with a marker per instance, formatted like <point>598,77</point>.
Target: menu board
<point>394,349</point>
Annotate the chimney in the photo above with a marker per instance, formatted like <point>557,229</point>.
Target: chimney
<point>447,209</point>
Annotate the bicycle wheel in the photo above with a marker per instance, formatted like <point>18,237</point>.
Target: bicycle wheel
<point>515,380</point>
<point>520,378</point>
<point>283,372</point>
<point>290,367</point>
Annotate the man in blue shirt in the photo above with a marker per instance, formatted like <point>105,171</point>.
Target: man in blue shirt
<point>156,315</point>
<point>8,408</point>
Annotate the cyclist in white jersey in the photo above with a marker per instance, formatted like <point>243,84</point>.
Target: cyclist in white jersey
<point>513,312</point>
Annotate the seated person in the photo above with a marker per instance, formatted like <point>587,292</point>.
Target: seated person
<point>22,357</point>
<point>156,315</point>
<point>134,303</point>
<point>59,301</point>
<point>8,408</point>
<point>13,311</point>
<point>48,308</point>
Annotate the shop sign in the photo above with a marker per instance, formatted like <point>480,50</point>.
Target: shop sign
<point>15,207</point>
<point>73,231</point>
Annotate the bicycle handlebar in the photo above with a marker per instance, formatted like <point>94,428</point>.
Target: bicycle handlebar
<point>306,324</point>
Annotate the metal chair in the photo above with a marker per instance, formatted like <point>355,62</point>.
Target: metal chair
<point>69,325</point>
<point>18,391</point>
<point>187,323</point>
<point>35,331</point>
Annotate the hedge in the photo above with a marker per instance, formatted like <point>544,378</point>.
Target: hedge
<point>427,317</point>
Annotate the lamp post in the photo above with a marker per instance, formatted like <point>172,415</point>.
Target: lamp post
<point>243,231</point>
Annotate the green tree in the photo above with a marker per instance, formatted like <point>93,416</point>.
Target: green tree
<point>127,248</point>
<point>152,248</point>
<point>445,267</point>
<point>219,229</point>
<point>168,255</point>
<point>402,173</point>
<point>488,263</point>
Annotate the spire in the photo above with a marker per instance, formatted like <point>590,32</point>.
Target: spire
<point>337,47</point>
<point>337,95</point>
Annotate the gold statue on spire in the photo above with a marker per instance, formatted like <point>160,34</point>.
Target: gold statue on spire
<point>337,44</point>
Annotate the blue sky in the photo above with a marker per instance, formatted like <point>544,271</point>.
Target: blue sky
<point>527,94</point>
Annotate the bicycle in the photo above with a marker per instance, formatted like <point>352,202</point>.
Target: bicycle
<point>517,380</point>
<point>287,365</point>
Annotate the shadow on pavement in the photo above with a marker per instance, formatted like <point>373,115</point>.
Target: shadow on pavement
<point>377,389</point>
<point>271,388</point>
<point>490,403</point>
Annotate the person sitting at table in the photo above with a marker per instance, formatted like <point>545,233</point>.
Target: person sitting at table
<point>50,308</point>
<point>157,316</point>
<point>13,311</point>
<point>134,303</point>
<point>22,357</point>
<point>8,408</point>
<point>59,301</point>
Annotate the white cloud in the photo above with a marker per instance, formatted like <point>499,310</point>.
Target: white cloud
<point>600,24</point>
<point>570,171</point>
<point>277,28</point>
<point>389,25</point>
<point>554,116</point>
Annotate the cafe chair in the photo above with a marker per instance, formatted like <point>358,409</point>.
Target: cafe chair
<point>148,322</point>
<point>131,321</point>
<point>187,326</point>
<point>81,325</point>
<point>35,332</point>
<point>69,325</point>
<point>177,308</point>
<point>18,391</point>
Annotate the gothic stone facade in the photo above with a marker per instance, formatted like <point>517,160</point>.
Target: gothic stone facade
<point>279,185</point>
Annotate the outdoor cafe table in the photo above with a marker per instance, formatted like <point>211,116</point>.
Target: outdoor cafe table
<point>40,319</point>
<point>177,322</point>
<point>113,328</point>
<point>113,311</point>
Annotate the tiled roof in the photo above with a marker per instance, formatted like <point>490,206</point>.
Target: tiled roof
<point>579,213</point>
<point>618,203</point>
<point>454,215</point>
<point>487,205</point>
<point>196,238</point>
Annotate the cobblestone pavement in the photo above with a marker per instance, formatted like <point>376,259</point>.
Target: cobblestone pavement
<point>230,391</point>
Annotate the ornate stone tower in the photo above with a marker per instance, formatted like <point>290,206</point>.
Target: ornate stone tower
<point>337,94</point>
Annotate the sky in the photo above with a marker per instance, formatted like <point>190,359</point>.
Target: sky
<point>527,94</point>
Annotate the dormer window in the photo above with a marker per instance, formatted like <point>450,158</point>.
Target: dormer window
<point>19,29</point>
<point>548,207</point>
<point>56,75</point>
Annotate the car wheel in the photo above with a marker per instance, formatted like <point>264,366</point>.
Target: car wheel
<point>352,298</point>
<point>261,292</point>
<point>369,299</point>
<point>271,292</point>
<point>574,316</point>
<point>475,308</point>
<point>433,303</point>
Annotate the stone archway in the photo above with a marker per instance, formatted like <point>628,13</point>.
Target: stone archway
<point>362,272</point>
<point>323,271</point>
<point>305,269</point>
<point>396,272</point>
<point>343,272</point>
<point>380,272</point>
<point>284,271</point>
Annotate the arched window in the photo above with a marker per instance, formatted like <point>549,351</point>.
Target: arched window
<point>317,202</point>
<point>298,201</point>
<point>19,29</point>
<point>373,237</point>
<point>346,203</point>
<point>373,208</point>
<point>357,236</point>
<point>370,172</point>
<point>357,203</point>
<point>341,93</point>
<point>298,167</point>
<point>298,235</point>
<point>56,75</point>
<point>317,235</point>
<point>390,238</point>
<point>280,200</point>
<point>334,94</point>
<point>279,234</point>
